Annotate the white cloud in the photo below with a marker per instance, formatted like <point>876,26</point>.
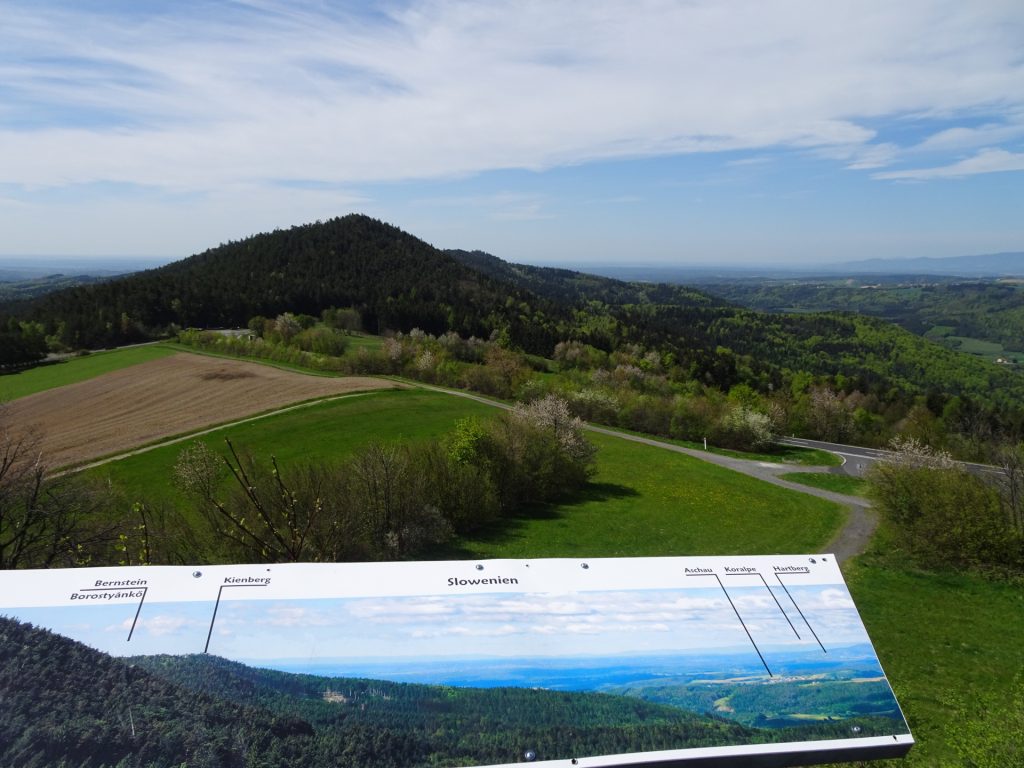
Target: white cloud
<point>873,156</point>
<point>163,625</point>
<point>960,138</point>
<point>985,161</point>
<point>503,630</point>
<point>439,88</point>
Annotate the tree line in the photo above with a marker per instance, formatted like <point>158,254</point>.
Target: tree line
<point>644,388</point>
<point>939,514</point>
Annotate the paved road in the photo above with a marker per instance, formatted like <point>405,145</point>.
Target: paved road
<point>857,460</point>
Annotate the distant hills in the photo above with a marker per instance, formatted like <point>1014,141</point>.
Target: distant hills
<point>1009,264</point>
<point>993,265</point>
<point>17,289</point>
<point>17,268</point>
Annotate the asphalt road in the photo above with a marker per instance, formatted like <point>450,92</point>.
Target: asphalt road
<point>857,460</point>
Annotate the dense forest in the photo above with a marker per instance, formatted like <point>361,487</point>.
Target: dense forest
<point>69,705</point>
<point>30,288</point>
<point>952,311</point>
<point>394,283</point>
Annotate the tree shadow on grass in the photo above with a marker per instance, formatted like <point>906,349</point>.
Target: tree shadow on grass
<point>509,529</point>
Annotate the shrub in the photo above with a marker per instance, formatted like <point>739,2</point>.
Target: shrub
<point>943,515</point>
<point>744,429</point>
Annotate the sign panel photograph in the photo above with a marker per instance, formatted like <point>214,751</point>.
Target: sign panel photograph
<point>633,661</point>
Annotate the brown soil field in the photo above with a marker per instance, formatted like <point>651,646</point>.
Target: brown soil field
<point>182,393</point>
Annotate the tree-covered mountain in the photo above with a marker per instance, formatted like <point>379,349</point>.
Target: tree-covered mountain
<point>64,704</point>
<point>397,282</point>
<point>566,285</point>
<point>721,343</point>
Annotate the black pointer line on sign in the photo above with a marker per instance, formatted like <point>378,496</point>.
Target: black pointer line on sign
<point>742,623</point>
<point>217,605</point>
<point>779,579</point>
<point>122,589</point>
<point>781,609</point>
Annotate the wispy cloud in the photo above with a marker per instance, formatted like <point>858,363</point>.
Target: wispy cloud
<point>985,161</point>
<point>191,96</point>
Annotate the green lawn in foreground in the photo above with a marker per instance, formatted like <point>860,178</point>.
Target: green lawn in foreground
<point>851,486</point>
<point>43,377</point>
<point>647,501</point>
<point>320,431</point>
<point>952,645</point>
<point>643,500</point>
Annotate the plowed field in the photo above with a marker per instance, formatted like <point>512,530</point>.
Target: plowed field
<point>134,406</point>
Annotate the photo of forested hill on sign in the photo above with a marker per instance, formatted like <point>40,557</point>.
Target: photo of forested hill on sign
<point>461,680</point>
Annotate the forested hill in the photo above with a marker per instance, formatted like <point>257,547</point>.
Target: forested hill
<point>723,344</point>
<point>64,703</point>
<point>950,310</point>
<point>568,285</point>
<point>395,280</point>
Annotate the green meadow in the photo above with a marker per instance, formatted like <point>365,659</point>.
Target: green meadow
<point>851,486</point>
<point>76,369</point>
<point>320,431</point>
<point>645,501</point>
<point>642,501</point>
<point>951,645</point>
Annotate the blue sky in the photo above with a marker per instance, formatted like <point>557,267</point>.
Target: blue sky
<point>703,132</point>
<point>606,623</point>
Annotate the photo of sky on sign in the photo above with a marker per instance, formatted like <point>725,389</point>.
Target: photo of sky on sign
<point>605,623</point>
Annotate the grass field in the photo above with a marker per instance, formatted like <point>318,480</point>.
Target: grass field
<point>951,645</point>
<point>642,501</point>
<point>364,341</point>
<point>318,432</point>
<point>851,486</point>
<point>990,350</point>
<point>44,377</point>
<point>647,501</point>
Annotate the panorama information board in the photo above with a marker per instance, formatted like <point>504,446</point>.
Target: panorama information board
<point>562,662</point>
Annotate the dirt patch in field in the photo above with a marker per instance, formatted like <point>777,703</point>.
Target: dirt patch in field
<point>134,406</point>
